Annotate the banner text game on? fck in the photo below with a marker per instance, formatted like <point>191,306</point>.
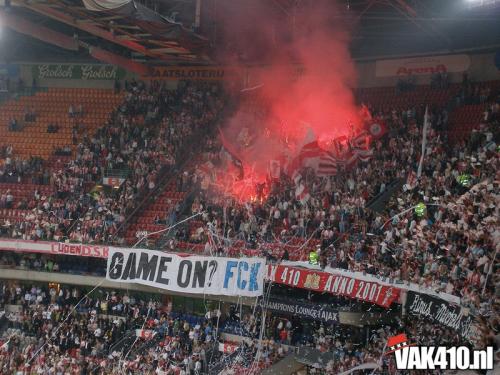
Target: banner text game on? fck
<point>192,274</point>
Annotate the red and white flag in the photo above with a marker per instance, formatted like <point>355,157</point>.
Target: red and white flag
<point>308,157</point>
<point>113,181</point>
<point>301,190</point>
<point>310,150</point>
<point>377,129</point>
<point>365,114</point>
<point>328,164</point>
<point>411,180</point>
<point>302,193</point>
<point>360,146</point>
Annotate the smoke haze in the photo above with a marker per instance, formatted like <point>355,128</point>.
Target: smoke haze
<point>306,82</point>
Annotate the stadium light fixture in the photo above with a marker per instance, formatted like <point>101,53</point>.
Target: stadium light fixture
<point>479,3</point>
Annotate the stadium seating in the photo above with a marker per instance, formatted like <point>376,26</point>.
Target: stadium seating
<point>463,120</point>
<point>51,107</point>
<point>160,208</point>
<point>388,98</point>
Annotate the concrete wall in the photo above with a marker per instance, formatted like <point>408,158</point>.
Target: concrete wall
<point>483,67</point>
<point>68,279</point>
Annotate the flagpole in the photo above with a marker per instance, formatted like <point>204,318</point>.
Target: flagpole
<point>424,142</point>
<point>490,267</point>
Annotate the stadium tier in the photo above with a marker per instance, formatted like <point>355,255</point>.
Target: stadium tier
<point>333,224</point>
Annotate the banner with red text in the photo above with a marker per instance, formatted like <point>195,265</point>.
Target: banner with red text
<point>325,282</point>
<point>57,248</point>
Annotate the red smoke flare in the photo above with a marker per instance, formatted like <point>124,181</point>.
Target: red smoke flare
<point>304,90</point>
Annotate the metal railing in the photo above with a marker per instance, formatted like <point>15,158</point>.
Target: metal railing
<point>117,172</point>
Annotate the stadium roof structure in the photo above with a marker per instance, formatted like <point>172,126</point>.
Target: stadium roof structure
<point>137,34</point>
<point>126,33</point>
<point>385,28</point>
<point>406,27</point>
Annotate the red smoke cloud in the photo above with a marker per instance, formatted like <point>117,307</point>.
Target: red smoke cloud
<point>305,85</point>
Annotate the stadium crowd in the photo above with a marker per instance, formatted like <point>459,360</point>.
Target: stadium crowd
<point>439,230</point>
<point>449,246</point>
<point>142,140</point>
<point>99,337</point>
<point>64,331</point>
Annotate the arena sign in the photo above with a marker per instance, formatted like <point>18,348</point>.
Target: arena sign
<point>340,285</point>
<point>57,248</point>
<point>84,72</point>
<point>422,65</point>
<point>192,274</point>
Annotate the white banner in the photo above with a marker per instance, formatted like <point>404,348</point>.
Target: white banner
<point>192,274</point>
<point>422,65</point>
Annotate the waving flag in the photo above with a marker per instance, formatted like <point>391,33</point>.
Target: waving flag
<point>301,190</point>
<point>360,146</point>
<point>311,150</point>
<point>328,164</point>
<point>343,152</point>
<point>308,157</point>
<point>377,129</point>
<point>424,142</point>
<point>232,155</point>
<point>365,114</point>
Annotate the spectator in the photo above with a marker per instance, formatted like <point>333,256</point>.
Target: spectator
<point>51,128</point>
<point>13,125</point>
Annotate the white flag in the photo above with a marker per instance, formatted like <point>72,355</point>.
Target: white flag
<point>424,142</point>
